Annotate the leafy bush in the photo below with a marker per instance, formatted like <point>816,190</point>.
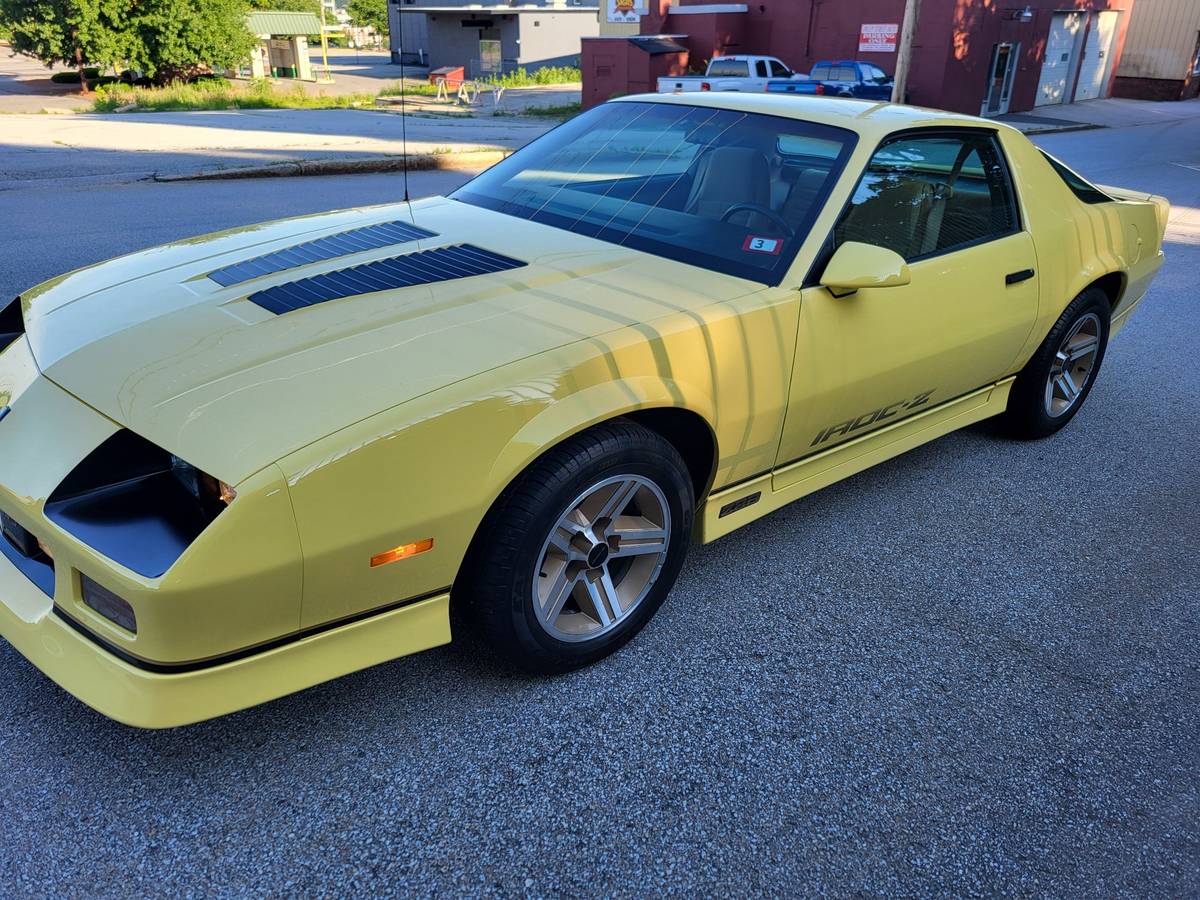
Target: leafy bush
<point>73,77</point>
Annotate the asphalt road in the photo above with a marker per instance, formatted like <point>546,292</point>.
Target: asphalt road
<point>972,670</point>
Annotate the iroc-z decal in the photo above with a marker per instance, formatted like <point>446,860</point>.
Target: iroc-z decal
<point>877,415</point>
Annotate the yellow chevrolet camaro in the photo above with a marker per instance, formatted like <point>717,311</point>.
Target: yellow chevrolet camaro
<point>236,466</point>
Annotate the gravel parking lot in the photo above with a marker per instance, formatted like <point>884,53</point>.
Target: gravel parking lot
<point>972,670</point>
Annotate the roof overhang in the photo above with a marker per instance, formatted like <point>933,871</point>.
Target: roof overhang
<point>496,10</point>
<point>284,24</point>
<point>701,9</point>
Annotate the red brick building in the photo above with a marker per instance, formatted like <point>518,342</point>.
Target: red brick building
<point>972,56</point>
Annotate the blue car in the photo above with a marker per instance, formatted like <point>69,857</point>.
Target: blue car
<point>845,78</point>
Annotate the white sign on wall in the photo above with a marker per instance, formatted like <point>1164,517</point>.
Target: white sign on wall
<point>878,38</point>
<point>625,12</point>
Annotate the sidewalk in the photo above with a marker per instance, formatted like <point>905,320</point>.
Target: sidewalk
<point>25,86</point>
<point>1113,112</point>
<point>130,147</point>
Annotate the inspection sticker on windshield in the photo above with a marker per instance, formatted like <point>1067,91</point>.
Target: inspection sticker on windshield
<point>756,244</point>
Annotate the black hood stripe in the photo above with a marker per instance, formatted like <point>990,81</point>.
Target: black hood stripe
<point>424,267</point>
<point>370,237</point>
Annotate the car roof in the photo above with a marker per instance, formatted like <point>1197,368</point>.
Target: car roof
<point>869,118</point>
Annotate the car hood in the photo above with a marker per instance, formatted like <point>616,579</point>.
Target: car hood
<point>156,345</point>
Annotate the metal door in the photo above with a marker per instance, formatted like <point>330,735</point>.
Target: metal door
<point>1000,79</point>
<point>1061,58</point>
<point>1097,56</point>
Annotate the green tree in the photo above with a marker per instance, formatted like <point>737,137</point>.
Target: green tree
<point>174,39</point>
<point>312,6</point>
<point>369,14</point>
<point>77,33</point>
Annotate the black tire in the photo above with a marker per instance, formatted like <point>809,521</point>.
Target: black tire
<point>1027,416</point>
<point>496,587</point>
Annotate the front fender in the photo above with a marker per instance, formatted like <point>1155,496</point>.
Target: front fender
<point>562,419</point>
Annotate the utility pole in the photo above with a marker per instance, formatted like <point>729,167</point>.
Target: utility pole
<point>324,47</point>
<point>912,12</point>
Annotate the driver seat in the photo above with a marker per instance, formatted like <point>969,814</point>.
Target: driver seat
<point>728,175</point>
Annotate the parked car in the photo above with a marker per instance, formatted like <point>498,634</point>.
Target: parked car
<point>730,73</point>
<point>847,78</point>
<point>235,466</point>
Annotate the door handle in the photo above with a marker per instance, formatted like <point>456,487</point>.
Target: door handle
<point>1018,277</point>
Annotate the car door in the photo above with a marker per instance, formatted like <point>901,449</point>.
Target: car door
<point>876,83</point>
<point>944,200</point>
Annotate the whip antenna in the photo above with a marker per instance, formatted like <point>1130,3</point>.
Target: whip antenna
<point>403,92</point>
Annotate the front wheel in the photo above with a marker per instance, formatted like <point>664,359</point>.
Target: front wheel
<point>582,549</point>
<point>1055,383</point>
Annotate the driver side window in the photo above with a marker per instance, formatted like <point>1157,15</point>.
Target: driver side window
<point>922,195</point>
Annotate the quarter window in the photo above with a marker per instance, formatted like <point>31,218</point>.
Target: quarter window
<point>923,195</point>
<point>1080,187</point>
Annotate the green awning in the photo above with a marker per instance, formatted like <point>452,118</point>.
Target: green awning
<point>286,24</point>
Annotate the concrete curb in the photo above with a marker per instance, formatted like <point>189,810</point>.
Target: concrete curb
<point>475,159</point>
<point>1060,129</point>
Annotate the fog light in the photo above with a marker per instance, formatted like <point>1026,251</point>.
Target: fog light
<point>108,604</point>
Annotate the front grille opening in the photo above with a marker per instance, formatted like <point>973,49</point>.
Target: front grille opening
<point>12,325</point>
<point>25,551</point>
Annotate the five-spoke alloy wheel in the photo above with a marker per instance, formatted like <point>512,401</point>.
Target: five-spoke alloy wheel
<point>1052,387</point>
<point>581,550</point>
<point>1073,364</point>
<point>602,557</point>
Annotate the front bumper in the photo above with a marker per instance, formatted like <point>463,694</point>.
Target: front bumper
<point>148,699</point>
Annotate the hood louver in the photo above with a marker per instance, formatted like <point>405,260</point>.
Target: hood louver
<point>344,243</point>
<point>423,267</point>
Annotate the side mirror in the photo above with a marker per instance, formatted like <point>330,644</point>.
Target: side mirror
<point>854,266</point>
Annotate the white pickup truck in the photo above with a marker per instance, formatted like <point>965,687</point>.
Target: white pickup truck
<point>748,74</point>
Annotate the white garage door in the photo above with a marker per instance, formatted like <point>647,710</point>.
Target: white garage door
<point>1097,55</point>
<point>1060,61</point>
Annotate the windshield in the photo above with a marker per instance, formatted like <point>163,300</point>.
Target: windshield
<point>729,191</point>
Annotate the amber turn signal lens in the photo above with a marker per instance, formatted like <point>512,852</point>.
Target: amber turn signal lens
<point>404,551</point>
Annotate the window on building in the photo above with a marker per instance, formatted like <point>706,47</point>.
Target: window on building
<point>923,195</point>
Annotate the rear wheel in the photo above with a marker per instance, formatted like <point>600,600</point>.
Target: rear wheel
<point>1055,383</point>
<point>582,549</point>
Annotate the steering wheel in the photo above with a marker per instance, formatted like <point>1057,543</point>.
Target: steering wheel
<point>775,217</point>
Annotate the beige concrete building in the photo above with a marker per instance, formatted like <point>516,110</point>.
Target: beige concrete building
<point>1161,60</point>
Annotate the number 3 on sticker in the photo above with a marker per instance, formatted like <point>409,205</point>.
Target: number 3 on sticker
<point>755,244</point>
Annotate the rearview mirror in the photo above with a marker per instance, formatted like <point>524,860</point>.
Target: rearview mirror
<point>856,266</point>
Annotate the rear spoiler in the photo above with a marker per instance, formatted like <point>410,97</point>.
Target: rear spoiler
<point>1162,206</point>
